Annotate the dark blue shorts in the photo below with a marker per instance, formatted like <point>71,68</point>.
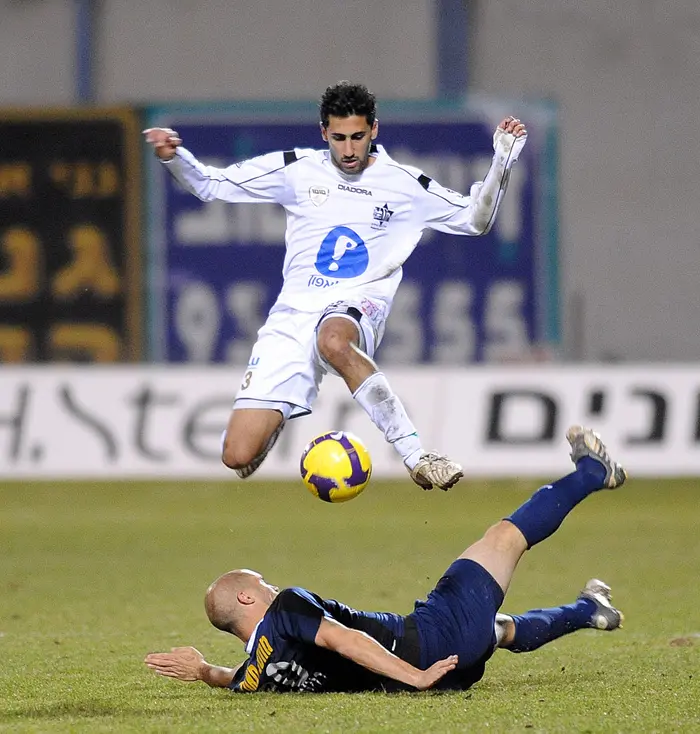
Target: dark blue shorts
<point>458,618</point>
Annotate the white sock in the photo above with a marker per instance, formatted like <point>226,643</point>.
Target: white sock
<point>388,414</point>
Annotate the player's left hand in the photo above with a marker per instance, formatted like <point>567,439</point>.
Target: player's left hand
<point>428,678</point>
<point>509,139</point>
<point>514,126</point>
<point>183,663</point>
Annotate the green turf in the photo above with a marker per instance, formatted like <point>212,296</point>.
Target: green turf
<point>93,576</point>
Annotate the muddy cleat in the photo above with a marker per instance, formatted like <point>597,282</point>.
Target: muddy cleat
<point>585,442</point>
<point>605,617</point>
<point>245,471</point>
<point>433,470</point>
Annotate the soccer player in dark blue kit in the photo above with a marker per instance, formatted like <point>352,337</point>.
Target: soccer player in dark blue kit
<point>298,641</point>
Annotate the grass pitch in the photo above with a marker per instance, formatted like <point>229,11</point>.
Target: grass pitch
<point>95,575</point>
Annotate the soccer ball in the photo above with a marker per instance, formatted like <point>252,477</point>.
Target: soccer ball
<point>335,467</point>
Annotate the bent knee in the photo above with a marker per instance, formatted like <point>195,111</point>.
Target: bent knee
<point>249,434</point>
<point>237,453</point>
<point>337,339</point>
<point>335,347</point>
<point>503,537</point>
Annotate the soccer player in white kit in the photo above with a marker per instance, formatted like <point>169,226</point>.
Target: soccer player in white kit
<point>354,215</point>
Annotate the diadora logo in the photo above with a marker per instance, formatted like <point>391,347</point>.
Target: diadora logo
<point>381,216</point>
<point>319,195</point>
<point>354,189</point>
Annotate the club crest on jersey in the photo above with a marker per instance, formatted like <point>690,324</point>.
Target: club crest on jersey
<point>381,216</point>
<point>319,195</point>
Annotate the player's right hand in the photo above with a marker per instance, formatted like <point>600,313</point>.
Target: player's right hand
<point>183,663</point>
<point>428,678</point>
<point>164,141</point>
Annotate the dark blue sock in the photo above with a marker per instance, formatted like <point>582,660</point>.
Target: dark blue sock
<point>540,626</point>
<point>544,512</point>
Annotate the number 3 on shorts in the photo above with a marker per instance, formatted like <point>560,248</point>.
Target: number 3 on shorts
<point>246,379</point>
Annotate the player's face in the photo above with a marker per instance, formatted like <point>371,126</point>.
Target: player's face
<point>267,591</point>
<point>349,140</point>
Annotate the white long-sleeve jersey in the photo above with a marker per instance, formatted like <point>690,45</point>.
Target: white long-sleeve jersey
<point>348,236</point>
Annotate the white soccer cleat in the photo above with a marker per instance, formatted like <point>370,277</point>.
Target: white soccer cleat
<point>434,470</point>
<point>586,442</point>
<point>605,617</point>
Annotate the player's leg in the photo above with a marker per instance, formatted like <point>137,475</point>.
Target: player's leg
<point>346,339</point>
<point>459,613</point>
<point>250,435</point>
<point>338,341</point>
<point>592,609</point>
<point>342,346</point>
<point>281,382</point>
<point>504,543</point>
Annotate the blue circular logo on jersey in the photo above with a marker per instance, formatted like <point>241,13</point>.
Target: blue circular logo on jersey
<point>343,254</point>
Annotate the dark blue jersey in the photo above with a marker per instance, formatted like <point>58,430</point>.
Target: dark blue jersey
<point>284,657</point>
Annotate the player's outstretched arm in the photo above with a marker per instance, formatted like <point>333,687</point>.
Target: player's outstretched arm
<point>188,664</point>
<point>258,180</point>
<point>509,140</point>
<point>447,211</point>
<point>366,651</point>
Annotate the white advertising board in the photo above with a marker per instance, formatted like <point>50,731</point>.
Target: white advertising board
<point>166,422</point>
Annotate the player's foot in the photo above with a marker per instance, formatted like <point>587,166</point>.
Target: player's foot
<point>503,621</point>
<point>585,442</point>
<point>433,470</point>
<point>245,471</point>
<point>605,617</point>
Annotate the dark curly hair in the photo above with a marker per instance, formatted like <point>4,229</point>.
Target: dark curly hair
<point>345,99</point>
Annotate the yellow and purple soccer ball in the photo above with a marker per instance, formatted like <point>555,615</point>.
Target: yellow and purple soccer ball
<point>335,466</point>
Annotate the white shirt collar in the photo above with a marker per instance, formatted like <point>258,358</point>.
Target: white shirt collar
<point>251,639</point>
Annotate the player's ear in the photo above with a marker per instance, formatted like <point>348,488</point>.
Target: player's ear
<point>244,599</point>
<point>324,132</point>
<point>375,129</point>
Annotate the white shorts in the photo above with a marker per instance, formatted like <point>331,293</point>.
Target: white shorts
<point>285,369</point>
